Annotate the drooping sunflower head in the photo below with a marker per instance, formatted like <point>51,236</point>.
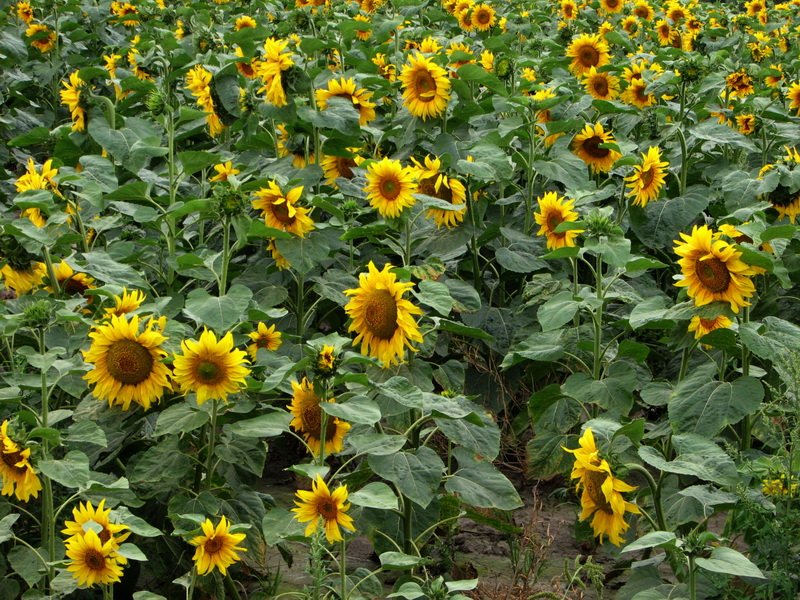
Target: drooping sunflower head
<point>793,96</point>
<point>23,276</point>
<point>739,83</point>
<point>554,210</point>
<point>264,337</point>
<point>785,202</point>
<point>647,179</point>
<point>601,85</point>
<point>71,98</point>
<point>72,283</point>
<point>340,166</point>
<point>712,270</point>
<point>211,369</point>
<point>320,506</point>
<point>390,187</point>
<point>217,547</point>
<point>281,211</point>
<point>587,51</point>
<point>127,364</point>
<point>746,123</point>
<point>426,87</point>
<point>588,146</point>
<point>382,318</point>
<point>16,471</point>
<point>702,326</point>
<point>309,417</point>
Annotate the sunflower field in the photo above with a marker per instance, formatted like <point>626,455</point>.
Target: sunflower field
<point>306,298</point>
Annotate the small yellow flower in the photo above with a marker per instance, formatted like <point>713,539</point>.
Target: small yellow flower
<point>217,548</point>
<point>321,506</point>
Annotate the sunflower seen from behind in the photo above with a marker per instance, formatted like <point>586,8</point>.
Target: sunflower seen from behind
<point>382,319</point>
<point>712,270</point>
<point>321,507</point>
<point>71,98</point>
<point>127,365</point>
<point>271,70</point>
<point>647,179</point>
<point>308,416</point>
<point>426,87</point>
<point>601,497</point>
<point>390,187</point>
<point>212,369</point>
<point>554,210</point>
<point>587,146</point>
<point>217,547</point>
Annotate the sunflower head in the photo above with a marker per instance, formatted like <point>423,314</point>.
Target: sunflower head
<point>553,211</point>
<point>587,51</point>
<point>321,507</point>
<point>217,547</point>
<point>591,146</point>
<point>426,87</point>
<point>313,423</point>
<point>390,187</point>
<point>211,369</point>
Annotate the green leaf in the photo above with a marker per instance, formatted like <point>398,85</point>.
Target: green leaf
<point>653,539</point>
<point>160,469</point>
<point>72,471</point>
<point>436,295</point>
<point>704,406</point>
<point>376,443</point>
<point>218,313</point>
<point>147,596</point>
<point>557,311</point>
<point>651,311</point>
<point>180,418</point>
<point>131,552</point>
<point>615,251</point>
<point>416,474</point>
<point>697,456</point>
<point>410,590</point>
<point>614,393</point>
<point>375,495</point>
<point>26,564</point>
<point>402,391</point>
<point>478,483</point>
<point>518,260</point>
<point>269,425</point>
<point>358,409</point>
<point>545,455</point>
<point>6,523</point>
<point>729,561</point>
<point>397,561</point>
<point>279,524</point>
<point>465,298</point>
<point>660,222</point>
<point>32,137</point>
<point>461,329</point>
<point>550,408</point>
<point>87,432</point>
<point>545,346</point>
<point>193,161</point>
<point>484,439</point>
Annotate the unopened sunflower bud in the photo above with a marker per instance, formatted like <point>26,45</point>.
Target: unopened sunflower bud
<point>155,102</point>
<point>37,315</point>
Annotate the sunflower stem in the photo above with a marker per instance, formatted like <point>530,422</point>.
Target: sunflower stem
<point>747,423</point>
<point>684,162</point>
<point>476,274</point>
<point>226,254</point>
<point>655,489</point>
<point>598,319</point>
<point>685,353</point>
<point>231,586</point>
<point>108,591</point>
<point>343,570</point>
<point>407,245</point>
<point>212,442</point>
<point>192,583</point>
<point>51,273</point>
<point>48,516</point>
<point>170,234</point>
<point>692,579</point>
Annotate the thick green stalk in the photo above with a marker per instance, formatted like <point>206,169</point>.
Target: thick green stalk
<point>226,254</point>
<point>51,273</point>
<point>343,570</point>
<point>747,422</point>
<point>170,123</point>
<point>684,163</point>
<point>299,306</point>
<point>692,579</point>
<point>48,508</point>
<point>598,319</point>
<point>212,442</point>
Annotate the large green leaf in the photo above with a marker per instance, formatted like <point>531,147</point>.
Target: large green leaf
<point>557,311</point>
<point>479,483</point>
<point>660,222</point>
<point>416,473</point>
<point>697,456</point>
<point>729,561</point>
<point>218,313</point>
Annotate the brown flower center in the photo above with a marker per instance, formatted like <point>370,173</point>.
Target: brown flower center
<point>208,372</point>
<point>390,188</point>
<point>593,149</point>
<point>647,176</point>
<point>327,508</point>
<point>129,362</point>
<point>554,219</point>
<point>600,86</point>
<point>482,17</point>
<point>611,4</point>
<point>11,459</point>
<point>568,12</point>
<point>213,545</point>
<point>344,166</point>
<point>312,423</point>
<point>641,12</point>
<point>74,287</point>
<point>713,274</point>
<point>593,481</point>
<point>281,212</point>
<point>380,314</point>
<point>94,560</point>
<point>588,56</point>
<point>427,186</point>
<point>425,85</point>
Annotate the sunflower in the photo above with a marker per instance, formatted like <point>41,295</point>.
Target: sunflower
<point>346,88</point>
<point>319,505</point>
<point>92,561</point>
<point>676,12</point>
<point>280,260</point>
<point>465,20</point>
<point>366,33</point>
<point>224,170</point>
<point>382,318</point>
<point>602,492</point>
<point>775,76</point>
<point>127,364</point>
<point>739,83</point>
<point>87,517</point>
<point>786,203</point>
<point>746,124</point>
<point>793,96</point>
<point>210,368</point>
<point>612,6</point>
<point>601,85</point>
<point>72,283</point>
<point>280,210</point>
<point>128,302</point>
<point>23,278</point>
<point>198,82</point>
<point>246,66</point>
<point>487,60</point>
<point>244,22</point>
<point>295,145</point>
<point>455,47</point>
<point>16,471</point>
<point>24,12</point>
<point>43,38</point>
<point>647,179</point>
<point>264,337</point>
<point>432,182</point>
<point>554,210</point>
<point>713,270</point>
<point>664,32</point>
<point>71,98</point>
<point>429,45</point>
<point>390,187</point>
<point>701,326</point>
<point>426,87</point>
<point>587,51</point>
<point>340,166</point>
<point>630,25</point>
<point>305,408</point>
<point>325,363</point>
<point>217,547</point>
<point>126,13</point>
<point>643,10</point>
<point>754,7</point>
<point>636,94</point>
<point>270,71</point>
<point>483,17</point>
<point>543,116</point>
<point>569,9</point>
<point>586,145</point>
